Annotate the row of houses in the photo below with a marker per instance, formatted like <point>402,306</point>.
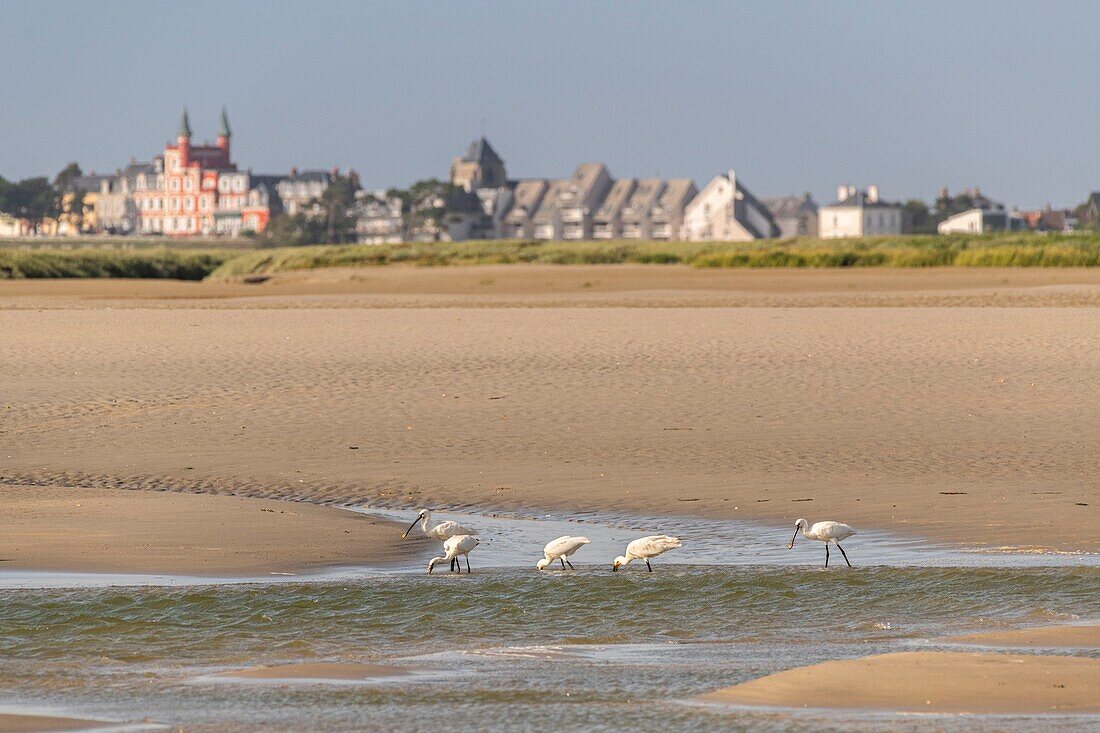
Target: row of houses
<point>591,204</point>
<point>197,190</point>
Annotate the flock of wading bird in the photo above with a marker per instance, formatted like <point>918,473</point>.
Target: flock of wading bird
<point>459,541</point>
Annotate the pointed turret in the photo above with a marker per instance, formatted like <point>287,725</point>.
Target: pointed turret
<point>224,133</point>
<point>224,130</point>
<point>185,126</point>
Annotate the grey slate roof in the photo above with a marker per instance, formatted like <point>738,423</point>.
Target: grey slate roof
<point>309,176</point>
<point>860,200</point>
<point>87,183</point>
<point>785,206</point>
<point>480,151</point>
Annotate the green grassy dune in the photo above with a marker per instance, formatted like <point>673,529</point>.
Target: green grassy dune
<point>184,261</point>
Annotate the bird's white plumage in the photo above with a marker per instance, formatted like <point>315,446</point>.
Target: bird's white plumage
<point>562,547</point>
<point>453,547</point>
<point>565,545</point>
<point>652,546</point>
<point>829,531</point>
<point>824,532</point>
<point>645,548</point>
<point>441,531</point>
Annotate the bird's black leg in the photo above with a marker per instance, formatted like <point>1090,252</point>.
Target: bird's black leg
<point>562,562</point>
<point>453,561</point>
<point>845,554</point>
<point>570,565</point>
<point>467,566</point>
<point>826,554</point>
<point>649,566</point>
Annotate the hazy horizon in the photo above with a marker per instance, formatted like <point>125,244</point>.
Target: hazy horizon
<point>794,96</point>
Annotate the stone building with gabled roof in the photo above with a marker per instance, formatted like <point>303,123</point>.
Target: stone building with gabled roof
<point>796,216</point>
<point>480,167</point>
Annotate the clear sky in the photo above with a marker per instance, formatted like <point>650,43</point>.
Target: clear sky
<point>795,96</point>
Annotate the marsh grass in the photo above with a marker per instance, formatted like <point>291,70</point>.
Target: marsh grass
<point>1011,250</point>
<point>182,261</point>
<point>177,264</point>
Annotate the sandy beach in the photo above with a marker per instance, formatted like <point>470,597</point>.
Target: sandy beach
<point>945,404</point>
<point>1044,637</point>
<point>116,531</point>
<point>939,682</point>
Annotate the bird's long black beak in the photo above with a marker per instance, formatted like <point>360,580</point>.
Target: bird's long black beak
<point>614,568</point>
<point>791,545</point>
<point>410,529</point>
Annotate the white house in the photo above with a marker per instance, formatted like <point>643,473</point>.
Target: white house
<point>608,221</point>
<point>858,213</point>
<point>547,223</point>
<point>579,200</point>
<point>726,211</point>
<point>981,221</point>
<point>527,197</point>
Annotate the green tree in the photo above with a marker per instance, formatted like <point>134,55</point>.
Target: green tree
<point>921,220</point>
<point>338,210</point>
<point>6,203</point>
<point>64,185</point>
<point>33,199</point>
<point>285,230</point>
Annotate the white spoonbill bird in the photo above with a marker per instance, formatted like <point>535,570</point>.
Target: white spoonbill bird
<point>645,548</point>
<point>824,532</point>
<point>441,531</point>
<point>454,547</point>
<point>560,549</point>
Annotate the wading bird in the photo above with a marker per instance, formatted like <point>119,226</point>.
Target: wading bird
<point>645,548</point>
<point>454,547</point>
<point>824,532</point>
<point>442,531</point>
<point>560,549</point>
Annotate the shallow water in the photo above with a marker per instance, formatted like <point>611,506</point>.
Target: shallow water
<point>510,647</point>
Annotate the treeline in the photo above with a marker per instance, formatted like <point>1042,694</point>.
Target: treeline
<point>38,199</point>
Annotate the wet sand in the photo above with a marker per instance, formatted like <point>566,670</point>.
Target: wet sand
<point>116,531</point>
<point>319,671</point>
<point>930,682</point>
<point>913,401</point>
<point>17,723</point>
<point>1046,637</point>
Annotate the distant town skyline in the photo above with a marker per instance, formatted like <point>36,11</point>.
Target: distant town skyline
<point>794,96</point>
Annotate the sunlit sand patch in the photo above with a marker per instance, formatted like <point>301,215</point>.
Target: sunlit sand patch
<point>1045,637</point>
<point>22,722</point>
<point>931,682</point>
